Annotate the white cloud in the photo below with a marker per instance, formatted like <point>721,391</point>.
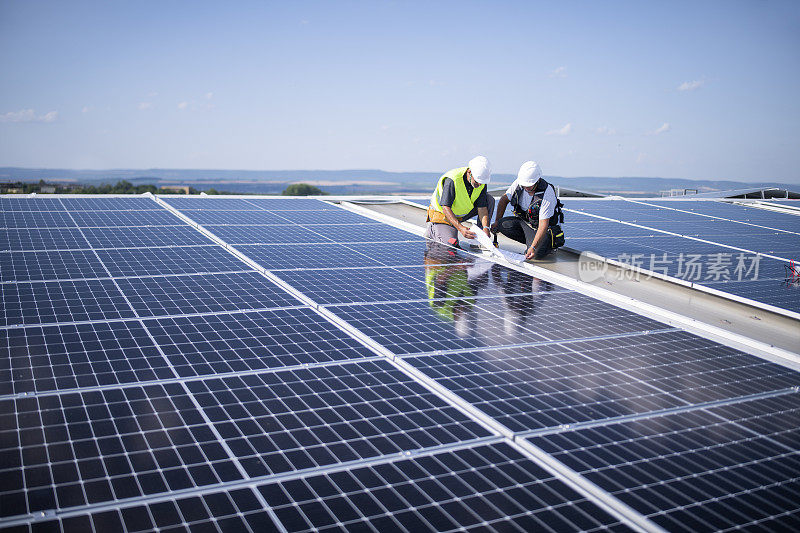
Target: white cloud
<point>562,131</point>
<point>641,158</point>
<point>183,105</point>
<point>85,109</point>
<point>560,72</point>
<point>691,85</point>
<point>28,115</point>
<point>209,96</point>
<point>605,130</point>
<point>144,106</point>
<point>665,127</point>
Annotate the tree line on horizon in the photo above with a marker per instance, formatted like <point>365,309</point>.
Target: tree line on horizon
<point>126,187</point>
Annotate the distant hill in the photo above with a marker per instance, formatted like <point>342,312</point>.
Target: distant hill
<point>348,181</point>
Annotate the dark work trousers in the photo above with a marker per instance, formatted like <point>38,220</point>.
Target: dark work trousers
<point>518,230</point>
<point>445,232</point>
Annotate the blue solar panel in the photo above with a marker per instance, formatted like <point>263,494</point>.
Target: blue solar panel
<point>61,301</point>
<point>98,219</point>
<point>41,239</point>
<point>208,217</point>
<point>26,266</point>
<point>224,343</point>
<point>34,219</point>
<point>292,204</point>
<point>539,387</point>
<point>419,327</point>
<point>231,510</point>
<point>153,261</point>
<point>351,285</point>
<point>339,216</point>
<point>486,487</point>
<point>289,234</point>
<point>217,204</point>
<point>109,204</point>
<point>203,293</point>
<point>28,203</point>
<point>710,469</point>
<point>40,359</point>
<point>105,446</point>
<point>295,420</point>
<point>134,237</point>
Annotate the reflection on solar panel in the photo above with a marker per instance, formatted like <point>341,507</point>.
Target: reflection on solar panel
<point>367,380</point>
<point>710,469</point>
<point>711,244</point>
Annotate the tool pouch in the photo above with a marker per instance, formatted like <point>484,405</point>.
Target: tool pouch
<point>556,235</point>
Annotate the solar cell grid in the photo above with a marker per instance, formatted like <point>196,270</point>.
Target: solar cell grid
<point>216,204</point>
<point>236,218</point>
<point>36,219</point>
<point>95,219</point>
<point>541,387</point>
<point>39,359</point>
<point>145,237</point>
<point>300,256</point>
<point>28,203</point>
<point>232,510</point>
<point>419,327</point>
<point>76,449</point>
<point>362,232</point>
<point>31,266</point>
<point>486,487</point>
<point>191,260</point>
<point>288,233</point>
<point>61,301</point>
<point>292,204</point>
<point>480,279</point>
<point>30,239</point>
<point>711,469</point>
<point>328,216</point>
<point>294,420</point>
<point>688,367</point>
<point>213,344</point>
<point>109,204</point>
<point>175,295</point>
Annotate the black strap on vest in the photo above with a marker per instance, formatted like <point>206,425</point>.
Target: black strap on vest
<point>531,215</point>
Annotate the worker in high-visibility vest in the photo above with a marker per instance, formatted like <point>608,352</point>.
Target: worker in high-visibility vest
<point>460,195</point>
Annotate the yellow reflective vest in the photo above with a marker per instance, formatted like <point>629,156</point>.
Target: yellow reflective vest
<point>463,202</point>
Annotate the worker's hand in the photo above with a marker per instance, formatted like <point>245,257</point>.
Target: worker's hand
<point>466,233</point>
<point>531,253</point>
<point>495,227</point>
<point>487,232</point>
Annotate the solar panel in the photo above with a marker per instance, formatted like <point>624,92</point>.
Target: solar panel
<point>108,204</point>
<point>96,219</point>
<point>40,359</point>
<point>203,293</point>
<point>292,204</point>
<point>231,510</point>
<point>36,219</point>
<point>301,419</point>
<point>29,203</point>
<point>710,469</point>
<point>330,216</point>
<point>351,285</point>
<point>138,237</point>
<point>188,205</point>
<point>61,301</point>
<point>290,234</point>
<point>424,327</point>
<point>208,217</point>
<point>486,487</point>
<point>190,260</point>
<point>72,264</point>
<point>104,446</point>
<point>30,239</point>
<point>236,342</point>
<point>537,387</point>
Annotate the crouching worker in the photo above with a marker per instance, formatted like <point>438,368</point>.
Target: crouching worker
<point>530,212</point>
<point>460,195</point>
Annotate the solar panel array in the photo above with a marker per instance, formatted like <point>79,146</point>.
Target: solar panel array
<point>293,366</point>
<point>732,249</point>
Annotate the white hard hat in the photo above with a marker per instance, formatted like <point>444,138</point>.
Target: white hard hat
<point>529,173</point>
<point>479,166</point>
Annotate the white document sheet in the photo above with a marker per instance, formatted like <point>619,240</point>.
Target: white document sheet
<point>486,242</point>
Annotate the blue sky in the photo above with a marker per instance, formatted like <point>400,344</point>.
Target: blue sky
<point>672,89</point>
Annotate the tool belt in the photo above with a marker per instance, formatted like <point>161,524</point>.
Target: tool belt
<point>556,236</point>
<point>438,218</point>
